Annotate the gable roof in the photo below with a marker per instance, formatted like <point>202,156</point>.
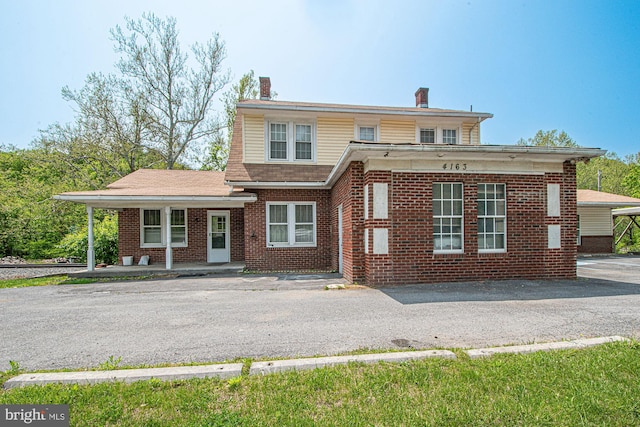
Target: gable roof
<point>600,198</point>
<point>161,186</point>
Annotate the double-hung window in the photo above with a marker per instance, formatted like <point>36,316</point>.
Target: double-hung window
<point>291,224</point>
<point>427,136</point>
<point>492,215</point>
<point>449,136</point>
<point>367,133</point>
<point>289,141</point>
<point>447,217</point>
<point>278,141</point>
<point>153,228</point>
<point>304,143</point>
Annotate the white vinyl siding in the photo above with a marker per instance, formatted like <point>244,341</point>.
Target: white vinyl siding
<point>253,137</point>
<point>595,221</point>
<point>333,135</point>
<point>291,224</point>
<point>397,131</point>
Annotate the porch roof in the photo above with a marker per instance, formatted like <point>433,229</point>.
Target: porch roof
<point>602,199</point>
<point>154,187</point>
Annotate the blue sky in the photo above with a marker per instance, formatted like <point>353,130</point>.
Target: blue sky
<point>534,64</point>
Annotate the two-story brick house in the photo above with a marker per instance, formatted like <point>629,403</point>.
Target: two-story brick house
<point>385,195</point>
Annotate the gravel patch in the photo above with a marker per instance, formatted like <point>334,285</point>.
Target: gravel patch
<point>27,273</point>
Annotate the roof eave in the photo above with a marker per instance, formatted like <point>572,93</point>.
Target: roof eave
<point>364,110</point>
<point>116,201</point>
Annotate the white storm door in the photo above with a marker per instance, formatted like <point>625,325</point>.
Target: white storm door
<point>218,236</point>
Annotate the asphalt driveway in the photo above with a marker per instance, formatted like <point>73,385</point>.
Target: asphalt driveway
<point>207,319</point>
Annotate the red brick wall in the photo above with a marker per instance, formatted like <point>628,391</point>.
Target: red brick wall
<point>410,223</point>
<point>260,257</point>
<point>348,191</point>
<point>196,251</point>
<point>596,245</point>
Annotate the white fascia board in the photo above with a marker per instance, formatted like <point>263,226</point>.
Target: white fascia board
<point>279,184</point>
<point>609,204</point>
<point>134,201</point>
<point>357,151</point>
<point>626,211</point>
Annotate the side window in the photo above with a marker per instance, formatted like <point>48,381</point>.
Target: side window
<point>492,216</point>
<point>291,224</point>
<point>447,218</point>
<point>151,227</point>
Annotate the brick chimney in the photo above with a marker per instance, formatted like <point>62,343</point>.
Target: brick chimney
<point>422,97</point>
<point>265,88</point>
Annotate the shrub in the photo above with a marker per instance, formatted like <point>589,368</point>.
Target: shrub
<point>105,240</point>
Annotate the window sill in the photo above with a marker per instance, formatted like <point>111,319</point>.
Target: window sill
<point>156,246</point>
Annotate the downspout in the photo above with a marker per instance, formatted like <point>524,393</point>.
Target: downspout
<point>471,130</point>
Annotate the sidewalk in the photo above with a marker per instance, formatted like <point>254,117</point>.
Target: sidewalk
<point>231,370</point>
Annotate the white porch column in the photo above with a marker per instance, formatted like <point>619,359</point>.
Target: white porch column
<point>91,256</point>
<point>169,252</point>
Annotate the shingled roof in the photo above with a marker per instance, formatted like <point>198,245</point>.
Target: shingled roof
<point>600,198</point>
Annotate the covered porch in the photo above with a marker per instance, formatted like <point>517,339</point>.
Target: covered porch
<point>169,217</point>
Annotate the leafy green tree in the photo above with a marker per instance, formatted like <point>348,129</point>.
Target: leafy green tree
<point>611,169</point>
<point>549,138</point>
<point>105,241</point>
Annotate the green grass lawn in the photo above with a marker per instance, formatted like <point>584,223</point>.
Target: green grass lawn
<point>595,386</point>
<point>62,280</point>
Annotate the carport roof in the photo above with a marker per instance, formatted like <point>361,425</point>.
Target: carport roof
<point>146,187</point>
<point>602,199</point>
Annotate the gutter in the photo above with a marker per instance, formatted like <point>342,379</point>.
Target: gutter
<point>365,110</point>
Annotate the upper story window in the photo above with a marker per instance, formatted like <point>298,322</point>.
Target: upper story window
<point>367,133</point>
<point>427,136</point>
<point>289,141</point>
<point>303,142</point>
<point>278,141</point>
<point>449,136</point>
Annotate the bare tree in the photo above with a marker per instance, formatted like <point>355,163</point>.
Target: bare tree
<point>178,98</point>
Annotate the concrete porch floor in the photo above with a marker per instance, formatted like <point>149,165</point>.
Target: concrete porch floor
<point>179,269</point>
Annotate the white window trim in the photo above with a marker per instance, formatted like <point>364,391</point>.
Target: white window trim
<point>291,141</point>
<point>451,251</point>
<point>439,133</point>
<point>376,131</point>
<point>163,229</point>
<point>496,251</point>
<point>291,229</point>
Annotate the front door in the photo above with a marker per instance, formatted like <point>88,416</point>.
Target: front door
<point>218,236</point>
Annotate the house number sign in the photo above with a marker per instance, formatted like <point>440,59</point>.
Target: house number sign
<point>454,166</point>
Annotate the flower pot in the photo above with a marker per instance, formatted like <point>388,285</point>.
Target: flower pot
<point>127,260</point>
